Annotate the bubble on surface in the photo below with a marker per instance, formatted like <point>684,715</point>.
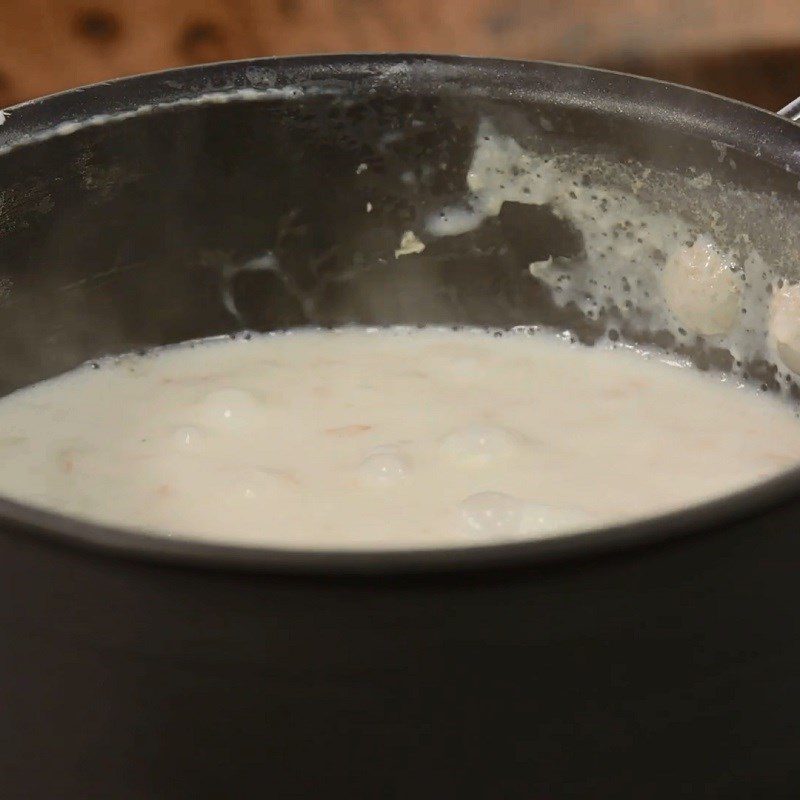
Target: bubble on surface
<point>492,515</point>
<point>479,445</point>
<point>384,466</point>
<point>189,439</point>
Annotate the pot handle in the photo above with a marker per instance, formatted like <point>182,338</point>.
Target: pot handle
<point>791,110</point>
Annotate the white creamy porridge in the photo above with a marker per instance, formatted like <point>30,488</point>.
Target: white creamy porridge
<point>392,438</point>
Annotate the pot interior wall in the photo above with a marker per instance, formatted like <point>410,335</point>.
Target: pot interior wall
<point>206,219</point>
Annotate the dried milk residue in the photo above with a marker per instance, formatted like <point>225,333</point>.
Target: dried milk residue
<point>642,266</point>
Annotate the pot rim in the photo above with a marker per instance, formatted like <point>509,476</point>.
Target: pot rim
<point>756,131</point>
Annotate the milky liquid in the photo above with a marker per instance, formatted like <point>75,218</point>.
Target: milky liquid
<point>393,438</point>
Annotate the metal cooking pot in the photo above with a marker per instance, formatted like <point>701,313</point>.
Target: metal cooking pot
<point>655,659</point>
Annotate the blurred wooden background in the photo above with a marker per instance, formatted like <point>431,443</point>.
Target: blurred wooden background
<point>741,48</point>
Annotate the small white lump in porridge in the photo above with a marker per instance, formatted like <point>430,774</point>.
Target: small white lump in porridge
<point>785,325</point>
<point>701,288</point>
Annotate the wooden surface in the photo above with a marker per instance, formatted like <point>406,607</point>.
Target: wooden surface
<point>739,47</point>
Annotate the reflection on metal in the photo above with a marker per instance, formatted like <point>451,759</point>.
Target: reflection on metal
<point>791,110</point>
